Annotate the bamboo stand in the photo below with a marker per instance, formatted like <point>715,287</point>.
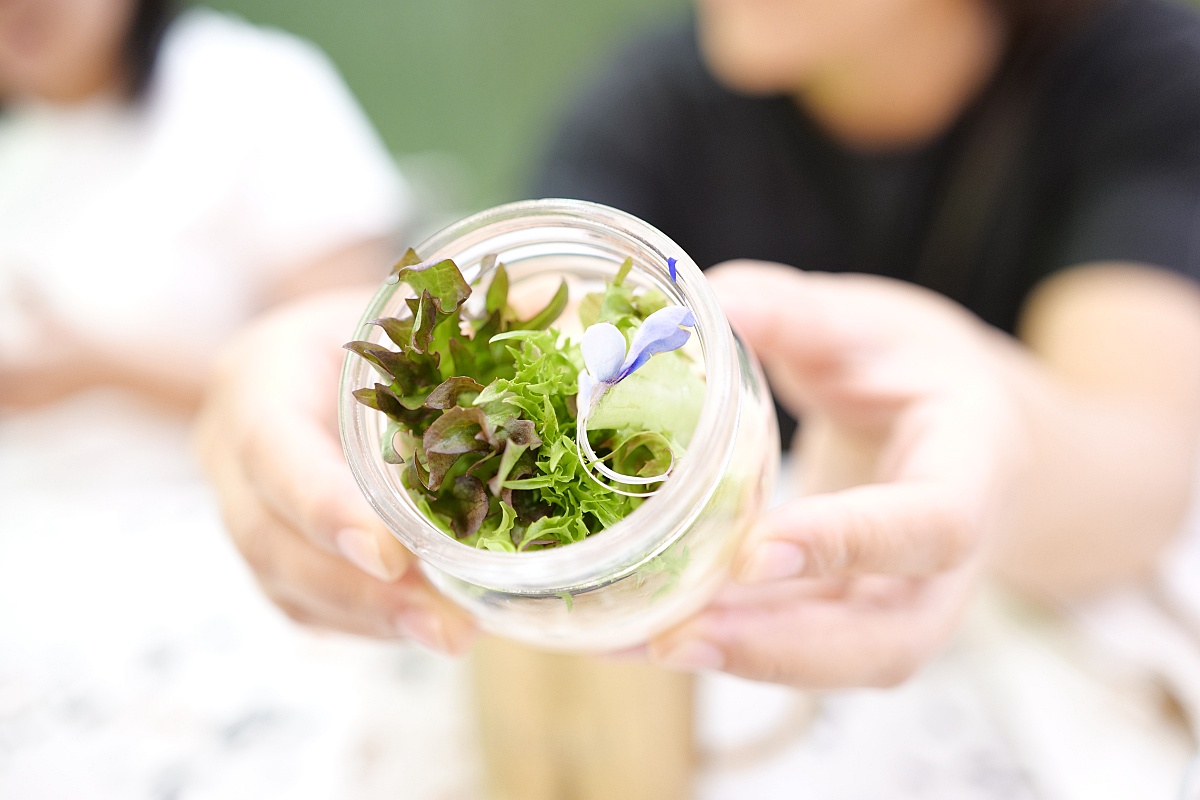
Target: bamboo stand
<point>569,727</point>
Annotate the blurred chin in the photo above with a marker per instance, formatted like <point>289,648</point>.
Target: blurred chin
<point>61,51</point>
<point>32,66</point>
<point>761,46</point>
<point>744,60</point>
<point>17,81</point>
<point>30,78</point>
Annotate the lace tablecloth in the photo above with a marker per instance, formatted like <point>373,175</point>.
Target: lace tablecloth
<point>138,660</point>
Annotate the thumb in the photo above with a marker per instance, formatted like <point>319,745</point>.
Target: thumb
<point>300,472</point>
<point>788,316</point>
<point>913,528</point>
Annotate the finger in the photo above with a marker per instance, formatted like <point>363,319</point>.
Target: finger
<point>906,528</point>
<point>289,450</point>
<point>786,315</point>
<point>815,316</point>
<point>817,348</point>
<point>333,594</point>
<point>300,472</point>
<point>857,345</point>
<point>321,589</point>
<point>819,643</point>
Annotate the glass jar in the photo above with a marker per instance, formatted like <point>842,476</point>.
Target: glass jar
<point>666,560</point>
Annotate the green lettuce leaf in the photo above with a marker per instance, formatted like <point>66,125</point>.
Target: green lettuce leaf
<point>481,410</point>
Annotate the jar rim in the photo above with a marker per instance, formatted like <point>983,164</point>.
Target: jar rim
<point>656,523</point>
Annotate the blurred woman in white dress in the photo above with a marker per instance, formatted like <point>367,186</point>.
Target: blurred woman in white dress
<point>164,176</point>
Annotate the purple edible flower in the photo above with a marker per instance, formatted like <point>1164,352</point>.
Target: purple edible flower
<point>671,266</point>
<point>605,356</point>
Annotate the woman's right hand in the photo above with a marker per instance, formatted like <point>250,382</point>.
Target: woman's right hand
<point>267,435</point>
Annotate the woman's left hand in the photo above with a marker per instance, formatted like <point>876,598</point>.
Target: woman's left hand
<point>910,443</point>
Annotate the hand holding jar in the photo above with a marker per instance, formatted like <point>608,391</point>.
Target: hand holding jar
<point>268,438</point>
<point>933,448</point>
<point>906,450</point>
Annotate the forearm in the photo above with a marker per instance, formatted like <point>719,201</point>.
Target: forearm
<point>172,380</point>
<point>1103,488</point>
<point>1108,385</point>
<point>169,378</point>
<point>175,378</point>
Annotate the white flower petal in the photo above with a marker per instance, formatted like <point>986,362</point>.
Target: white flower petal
<point>603,349</point>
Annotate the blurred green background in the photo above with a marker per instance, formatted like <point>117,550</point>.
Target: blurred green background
<point>480,80</point>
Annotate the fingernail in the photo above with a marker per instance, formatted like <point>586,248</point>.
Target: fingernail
<point>772,561</point>
<point>423,628</point>
<point>692,656</point>
<point>634,654</point>
<point>361,549</point>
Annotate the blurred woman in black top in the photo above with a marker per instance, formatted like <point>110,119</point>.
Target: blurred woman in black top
<point>1038,163</point>
<point>1034,164</point>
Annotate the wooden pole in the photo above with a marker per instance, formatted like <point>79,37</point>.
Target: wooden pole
<point>571,727</point>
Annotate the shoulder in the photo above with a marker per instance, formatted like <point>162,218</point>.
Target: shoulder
<point>263,117</point>
<point>654,104</point>
<point>655,76</point>
<point>207,55</point>
<point>667,57</point>
<point>1141,28</point>
<point>1119,166</point>
<point>1132,70</point>
<point>620,130</point>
